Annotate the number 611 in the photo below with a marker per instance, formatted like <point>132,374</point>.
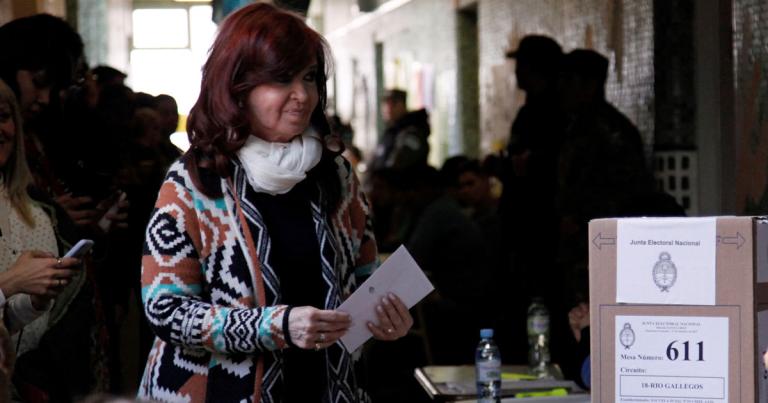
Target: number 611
<point>673,353</point>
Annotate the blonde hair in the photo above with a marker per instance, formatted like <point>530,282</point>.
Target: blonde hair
<point>15,173</point>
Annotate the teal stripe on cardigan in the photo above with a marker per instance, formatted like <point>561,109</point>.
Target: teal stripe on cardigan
<point>266,337</point>
<point>153,290</point>
<point>217,335</point>
<point>219,204</point>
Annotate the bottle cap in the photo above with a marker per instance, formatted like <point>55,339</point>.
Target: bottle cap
<point>486,333</point>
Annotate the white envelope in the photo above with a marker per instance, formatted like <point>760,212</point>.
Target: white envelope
<point>400,275</point>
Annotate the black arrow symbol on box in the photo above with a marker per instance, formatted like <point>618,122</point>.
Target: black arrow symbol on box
<point>737,240</point>
<point>600,240</point>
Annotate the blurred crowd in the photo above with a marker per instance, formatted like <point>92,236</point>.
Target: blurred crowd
<point>83,157</point>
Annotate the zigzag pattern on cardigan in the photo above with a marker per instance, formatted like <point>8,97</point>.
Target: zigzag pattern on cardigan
<point>198,289</point>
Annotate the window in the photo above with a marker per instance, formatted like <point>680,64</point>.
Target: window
<point>161,28</point>
<point>170,45</point>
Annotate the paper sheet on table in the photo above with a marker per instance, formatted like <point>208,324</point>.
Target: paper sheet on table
<point>400,275</point>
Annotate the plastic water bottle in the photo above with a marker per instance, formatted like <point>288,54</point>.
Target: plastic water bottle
<point>488,368</point>
<point>541,357</point>
<point>538,324</point>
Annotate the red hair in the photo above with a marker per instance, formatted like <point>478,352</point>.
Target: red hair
<point>257,44</point>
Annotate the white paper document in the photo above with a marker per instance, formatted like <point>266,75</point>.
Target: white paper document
<point>400,275</point>
<point>671,359</point>
<point>666,261</point>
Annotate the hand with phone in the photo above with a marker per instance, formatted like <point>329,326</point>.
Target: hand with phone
<point>80,249</point>
<point>39,274</point>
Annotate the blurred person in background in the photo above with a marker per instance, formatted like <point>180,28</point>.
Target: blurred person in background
<point>352,153</point>
<point>530,177</point>
<point>475,191</point>
<point>44,64</point>
<point>602,170</point>
<point>449,247</point>
<point>602,173</point>
<point>30,274</point>
<point>168,112</point>
<point>393,215</point>
<point>404,144</point>
<point>527,204</point>
<point>602,164</point>
<point>108,75</point>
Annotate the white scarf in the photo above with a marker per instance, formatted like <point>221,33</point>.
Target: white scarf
<point>275,168</point>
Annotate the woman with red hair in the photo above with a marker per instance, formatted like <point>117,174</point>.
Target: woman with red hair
<point>259,232</point>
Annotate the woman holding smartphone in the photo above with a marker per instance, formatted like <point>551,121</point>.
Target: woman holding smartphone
<point>259,232</point>
<point>30,274</point>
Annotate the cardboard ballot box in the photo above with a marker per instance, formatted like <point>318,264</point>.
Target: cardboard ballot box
<point>679,309</point>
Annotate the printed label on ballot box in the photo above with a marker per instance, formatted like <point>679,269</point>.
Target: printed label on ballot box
<point>671,359</point>
<point>667,261</point>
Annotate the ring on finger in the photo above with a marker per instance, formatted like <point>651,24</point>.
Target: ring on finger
<point>390,330</point>
<point>321,338</point>
<point>58,262</point>
<point>317,346</point>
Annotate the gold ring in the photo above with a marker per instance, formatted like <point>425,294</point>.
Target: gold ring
<point>317,346</point>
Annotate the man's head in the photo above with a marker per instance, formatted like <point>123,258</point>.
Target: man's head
<point>169,113</point>
<point>394,105</point>
<point>147,127</point>
<point>582,80</point>
<point>41,56</point>
<point>107,75</point>
<point>449,173</point>
<point>474,185</point>
<point>538,61</point>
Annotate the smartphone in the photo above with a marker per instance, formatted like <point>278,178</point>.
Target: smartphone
<point>80,249</point>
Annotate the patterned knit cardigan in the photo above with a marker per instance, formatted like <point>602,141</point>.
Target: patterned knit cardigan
<point>214,302</point>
